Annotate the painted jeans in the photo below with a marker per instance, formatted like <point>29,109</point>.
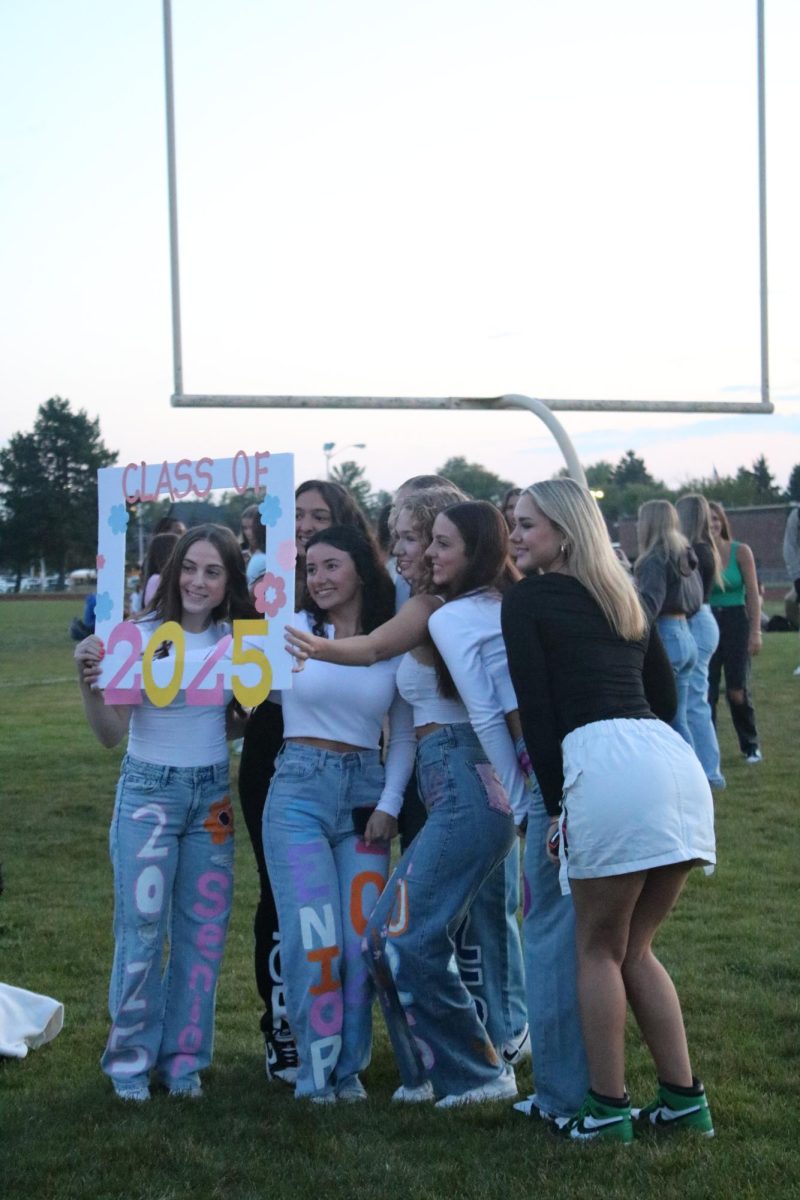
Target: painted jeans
<point>560,1071</point>
<point>489,952</point>
<point>682,654</point>
<point>171,845</point>
<point>326,881</point>
<point>705,631</point>
<point>432,1019</point>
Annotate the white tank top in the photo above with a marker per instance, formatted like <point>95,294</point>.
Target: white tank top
<point>417,684</point>
<point>181,735</point>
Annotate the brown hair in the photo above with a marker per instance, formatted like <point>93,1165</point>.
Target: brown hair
<point>167,603</point>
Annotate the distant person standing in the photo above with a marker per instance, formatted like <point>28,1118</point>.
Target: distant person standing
<point>695,518</point>
<point>791,554</point>
<point>736,604</point>
<point>671,591</point>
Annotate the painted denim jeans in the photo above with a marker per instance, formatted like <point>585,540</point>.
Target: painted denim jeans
<point>171,846</point>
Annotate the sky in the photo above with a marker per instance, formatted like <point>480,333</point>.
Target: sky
<point>440,197</point>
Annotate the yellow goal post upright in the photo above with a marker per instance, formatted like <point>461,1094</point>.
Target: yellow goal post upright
<point>542,408</point>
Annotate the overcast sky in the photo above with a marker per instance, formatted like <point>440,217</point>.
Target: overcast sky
<point>439,197</point>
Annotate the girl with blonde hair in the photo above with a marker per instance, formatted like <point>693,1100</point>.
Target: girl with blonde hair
<point>695,519</point>
<point>626,795</point>
<point>672,592</point>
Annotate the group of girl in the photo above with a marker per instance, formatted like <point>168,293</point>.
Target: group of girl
<point>700,586</point>
<point>529,698</point>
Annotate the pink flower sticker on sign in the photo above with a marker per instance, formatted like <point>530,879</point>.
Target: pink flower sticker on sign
<point>269,594</point>
<point>285,558</point>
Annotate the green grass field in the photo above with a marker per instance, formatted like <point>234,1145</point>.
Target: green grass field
<point>732,947</point>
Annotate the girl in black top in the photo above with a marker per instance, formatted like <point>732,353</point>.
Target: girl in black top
<point>626,793</point>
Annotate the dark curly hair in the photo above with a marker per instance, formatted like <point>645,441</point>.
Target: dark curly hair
<point>378,596</point>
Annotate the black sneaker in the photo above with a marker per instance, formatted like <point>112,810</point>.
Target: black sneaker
<point>281,1055</point>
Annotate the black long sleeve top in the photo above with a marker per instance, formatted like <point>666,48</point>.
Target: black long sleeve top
<point>569,668</point>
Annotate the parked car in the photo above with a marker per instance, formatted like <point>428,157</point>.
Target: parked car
<point>7,585</point>
<point>31,583</point>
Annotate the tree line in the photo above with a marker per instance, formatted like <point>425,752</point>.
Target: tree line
<point>48,491</point>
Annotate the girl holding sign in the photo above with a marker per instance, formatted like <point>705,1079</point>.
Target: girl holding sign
<point>171,839</point>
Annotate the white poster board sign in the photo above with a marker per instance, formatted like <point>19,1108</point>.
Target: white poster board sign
<point>252,660</point>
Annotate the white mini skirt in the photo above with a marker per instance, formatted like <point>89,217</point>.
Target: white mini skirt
<point>635,797</point>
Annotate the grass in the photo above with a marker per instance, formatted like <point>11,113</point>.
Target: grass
<point>731,946</point>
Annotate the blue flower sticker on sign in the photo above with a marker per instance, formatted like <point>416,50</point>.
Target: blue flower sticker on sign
<point>118,519</point>
<point>271,511</point>
<point>104,608</point>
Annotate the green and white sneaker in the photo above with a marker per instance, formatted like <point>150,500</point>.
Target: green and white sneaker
<point>595,1120</point>
<point>671,1111</point>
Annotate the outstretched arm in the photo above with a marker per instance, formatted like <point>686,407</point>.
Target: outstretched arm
<point>109,722</point>
<point>409,628</point>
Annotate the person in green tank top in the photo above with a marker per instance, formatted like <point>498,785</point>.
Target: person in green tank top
<point>737,608</point>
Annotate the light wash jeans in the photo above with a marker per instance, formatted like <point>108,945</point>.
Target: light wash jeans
<point>705,631</point>
<point>171,845</point>
<point>682,654</point>
<point>489,952</point>
<point>432,1018</point>
<point>326,881</point>
<point>560,1072</point>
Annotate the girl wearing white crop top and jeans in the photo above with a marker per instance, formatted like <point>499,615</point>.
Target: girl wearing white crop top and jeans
<point>470,780</point>
<point>171,838</point>
<point>330,815</point>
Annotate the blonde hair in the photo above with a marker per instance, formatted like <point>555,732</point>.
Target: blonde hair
<point>694,515</point>
<point>719,511</point>
<point>423,508</point>
<point>659,532</point>
<point>588,553</point>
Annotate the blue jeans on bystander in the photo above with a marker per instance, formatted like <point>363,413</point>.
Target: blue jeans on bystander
<point>682,654</point>
<point>705,631</point>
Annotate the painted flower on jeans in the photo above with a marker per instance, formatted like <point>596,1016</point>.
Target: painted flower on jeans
<point>219,822</point>
<point>269,594</point>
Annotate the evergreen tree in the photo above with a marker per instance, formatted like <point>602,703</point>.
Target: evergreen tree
<point>48,488</point>
<point>474,479</point>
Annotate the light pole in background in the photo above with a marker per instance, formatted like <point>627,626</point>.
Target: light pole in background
<point>329,452</point>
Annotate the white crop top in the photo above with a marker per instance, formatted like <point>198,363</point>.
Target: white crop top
<point>181,735</point>
<point>348,704</point>
<point>418,685</point>
<point>468,636</point>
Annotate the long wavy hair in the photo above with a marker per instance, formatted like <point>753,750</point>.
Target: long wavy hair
<point>377,594</point>
<point>694,515</point>
<point>489,566</point>
<point>659,532</point>
<point>485,535</point>
<point>573,511</point>
<point>423,508</point>
<point>236,603</point>
<point>344,510</point>
<point>718,511</point>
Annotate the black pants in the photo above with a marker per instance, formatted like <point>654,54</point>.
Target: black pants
<point>263,737</point>
<point>733,655</point>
